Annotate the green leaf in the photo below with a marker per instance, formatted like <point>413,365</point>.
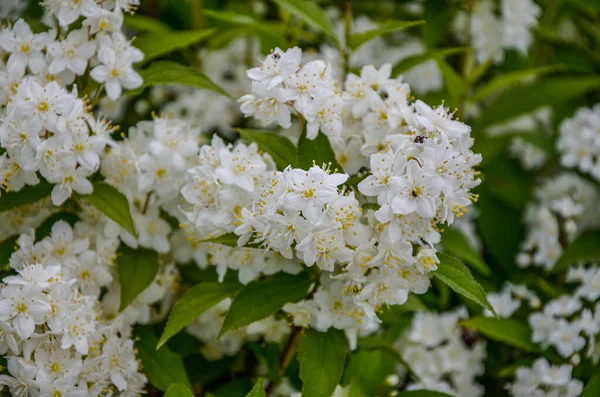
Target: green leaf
<point>258,390</point>
<point>27,195</point>
<point>172,73</point>
<point>529,97</point>
<point>144,23</point>
<point>46,227</point>
<point>585,248</point>
<point>196,301</point>
<point>281,149</point>
<point>369,368</point>
<point>178,390</point>
<point>228,239</point>
<point>507,80</point>
<point>137,269</point>
<point>259,299</point>
<point>505,330</point>
<point>111,203</point>
<point>457,276</point>
<point>592,389</point>
<point>162,367</point>
<point>423,393</point>
<point>318,151</point>
<point>455,85</point>
<point>358,39</point>
<point>415,60</point>
<point>311,13</point>
<point>321,356</point>
<point>230,17</point>
<point>158,43</point>
<point>7,247</point>
<point>455,243</point>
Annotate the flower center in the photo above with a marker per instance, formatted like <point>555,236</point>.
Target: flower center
<point>43,106</point>
<point>21,308</point>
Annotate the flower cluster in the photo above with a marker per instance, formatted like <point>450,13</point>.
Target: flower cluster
<point>564,208</point>
<point>544,380</point>
<point>510,299</point>
<point>421,174</point>
<point>579,141</point>
<point>56,340</point>
<point>47,126</point>
<point>443,356</point>
<point>490,35</point>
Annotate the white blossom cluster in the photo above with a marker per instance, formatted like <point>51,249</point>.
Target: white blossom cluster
<point>530,156</point>
<point>55,337</point>
<point>510,299</point>
<point>442,356</point>
<point>571,323</point>
<point>564,207</point>
<point>579,141</point>
<point>47,126</point>
<point>545,380</point>
<point>422,171</point>
<point>490,34</point>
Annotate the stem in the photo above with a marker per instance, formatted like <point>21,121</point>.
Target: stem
<point>146,203</point>
<point>96,98</point>
<point>286,356</point>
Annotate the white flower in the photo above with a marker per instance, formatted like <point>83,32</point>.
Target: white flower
<point>415,191</point>
<point>240,166</point>
<point>25,306</point>
<point>276,67</point>
<point>25,48</point>
<point>72,53</point>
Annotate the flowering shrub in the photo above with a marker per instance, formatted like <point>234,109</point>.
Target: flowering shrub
<point>299,198</point>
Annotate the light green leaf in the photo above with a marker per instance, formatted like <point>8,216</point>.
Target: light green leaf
<point>7,247</point>
<point>358,39</point>
<point>158,43</point>
<point>317,151</point>
<point>228,239</point>
<point>507,80</point>
<point>585,248</point>
<point>455,85</point>
<point>369,368</point>
<point>230,17</point>
<point>311,13</point>
<point>178,390</point>
<point>455,243</point>
<point>457,276</point>
<point>27,195</point>
<point>415,60</point>
<point>137,269</point>
<point>258,390</point>
<point>423,393</point>
<point>529,97</point>
<point>281,149</point>
<point>172,73</point>
<point>322,356</point>
<point>113,204</point>
<point>196,301</point>
<point>261,298</point>
<point>592,389</point>
<point>162,367</point>
<point>505,330</point>
<point>144,23</point>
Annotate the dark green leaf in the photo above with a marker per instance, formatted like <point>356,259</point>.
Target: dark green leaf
<point>457,276</point>
<point>261,298</point>
<point>7,247</point>
<point>322,356</point>
<point>172,73</point>
<point>178,390</point>
<point>527,98</point>
<point>311,13</point>
<point>281,149</point>
<point>137,269</point>
<point>318,151</point>
<point>592,389</point>
<point>585,248</point>
<point>358,39</point>
<point>162,367</point>
<point>455,243</point>
<point>415,60</point>
<point>369,368</point>
<point>506,330</point>
<point>27,195</point>
<point>258,390</point>
<point>113,204</point>
<point>196,301</point>
<point>158,43</point>
<point>46,227</point>
<point>228,239</point>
